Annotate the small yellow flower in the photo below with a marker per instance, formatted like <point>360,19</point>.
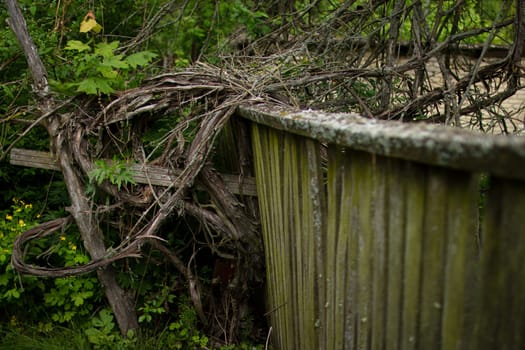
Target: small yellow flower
<point>9,217</point>
<point>28,206</point>
<point>62,238</point>
<point>21,223</point>
<point>38,216</point>
<point>73,247</point>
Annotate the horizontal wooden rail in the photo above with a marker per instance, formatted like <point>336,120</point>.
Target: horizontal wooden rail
<point>425,143</point>
<point>144,174</point>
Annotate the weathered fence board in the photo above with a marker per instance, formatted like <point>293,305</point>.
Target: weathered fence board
<point>296,232</point>
<point>144,174</point>
<point>500,317</point>
<point>389,240</point>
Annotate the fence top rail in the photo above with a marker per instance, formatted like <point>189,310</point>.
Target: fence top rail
<point>425,143</point>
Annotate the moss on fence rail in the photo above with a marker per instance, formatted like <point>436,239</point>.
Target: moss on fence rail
<point>425,143</point>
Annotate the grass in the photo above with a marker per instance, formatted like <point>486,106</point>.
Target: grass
<point>58,339</point>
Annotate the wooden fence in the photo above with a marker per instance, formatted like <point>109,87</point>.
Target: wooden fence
<point>374,237</point>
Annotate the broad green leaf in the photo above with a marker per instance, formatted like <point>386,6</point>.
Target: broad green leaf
<point>106,49</point>
<point>115,62</point>
<point>104,87</point>
<point>107,72</point>
<point>140,58</point>
<point>12,293</point>
<point>89,86</point>
<point>93,86</point>
<point>77,299</point>
<point>77,46</point>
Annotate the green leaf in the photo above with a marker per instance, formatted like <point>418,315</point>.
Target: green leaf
<point>145,318</point>
<point>140,58</point>
<point>4,279</point>
<point>107,72</point>
<point>89,86</point>
<point>77,299</point>
<point>94,336</point>
<point>105,319</point>
<point>80,259</point>
<point>106,49</point>
<point>115,62</point>
<point>12,293</point>
<point>77,46</point>
<point>93,86</point>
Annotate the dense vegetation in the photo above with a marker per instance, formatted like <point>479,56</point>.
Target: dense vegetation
<point>154,82</point>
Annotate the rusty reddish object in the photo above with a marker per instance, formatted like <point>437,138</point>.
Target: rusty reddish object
<point>90,14</point>
<point>223,271</point>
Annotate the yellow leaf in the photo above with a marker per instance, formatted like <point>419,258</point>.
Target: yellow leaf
<point>89,24</point>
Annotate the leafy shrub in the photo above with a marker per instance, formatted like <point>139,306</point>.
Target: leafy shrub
<point>63,299</point>
<point>96,69</point>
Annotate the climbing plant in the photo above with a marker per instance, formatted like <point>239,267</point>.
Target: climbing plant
<point>156,82</point>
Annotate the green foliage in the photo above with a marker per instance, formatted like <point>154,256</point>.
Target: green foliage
<point>93,64</point>
<point>64,299</point>
<point>72,296</point>
<point>102,334</point>
<point>15,289</point>
<point>156,305</point>
<point>183,333</point>
<point>201,26</point>
<point>96,69</point>
<point>440,19</point>
<point>117,172</point>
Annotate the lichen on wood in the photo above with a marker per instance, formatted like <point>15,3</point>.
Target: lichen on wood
<point>425,143</point>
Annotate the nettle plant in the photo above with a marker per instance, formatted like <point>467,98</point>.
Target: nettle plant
<point>117,172</point>
<point>95,67</point>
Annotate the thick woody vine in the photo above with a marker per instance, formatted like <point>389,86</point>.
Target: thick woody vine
<point>201,102</point>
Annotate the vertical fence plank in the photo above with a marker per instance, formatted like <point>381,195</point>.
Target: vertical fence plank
<point>289,165</point>
<point>312,247</point>
<point>361,238</point>
<point>432,264</point>
<point>461,259</point>
<point>397,212</point>
<point>291,227</point>
<point>266,150</point>
<point>415,202</point>
<point>356,250</point>
<point>501,315</point>
<point>317,259</point>
<point>335,259</point>
<point>380,166</point>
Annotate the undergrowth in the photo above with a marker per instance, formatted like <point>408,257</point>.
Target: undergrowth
<point>15,337</point>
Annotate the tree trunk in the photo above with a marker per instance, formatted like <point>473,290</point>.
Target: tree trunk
<point>93,239</point>
<point>120,303</point>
